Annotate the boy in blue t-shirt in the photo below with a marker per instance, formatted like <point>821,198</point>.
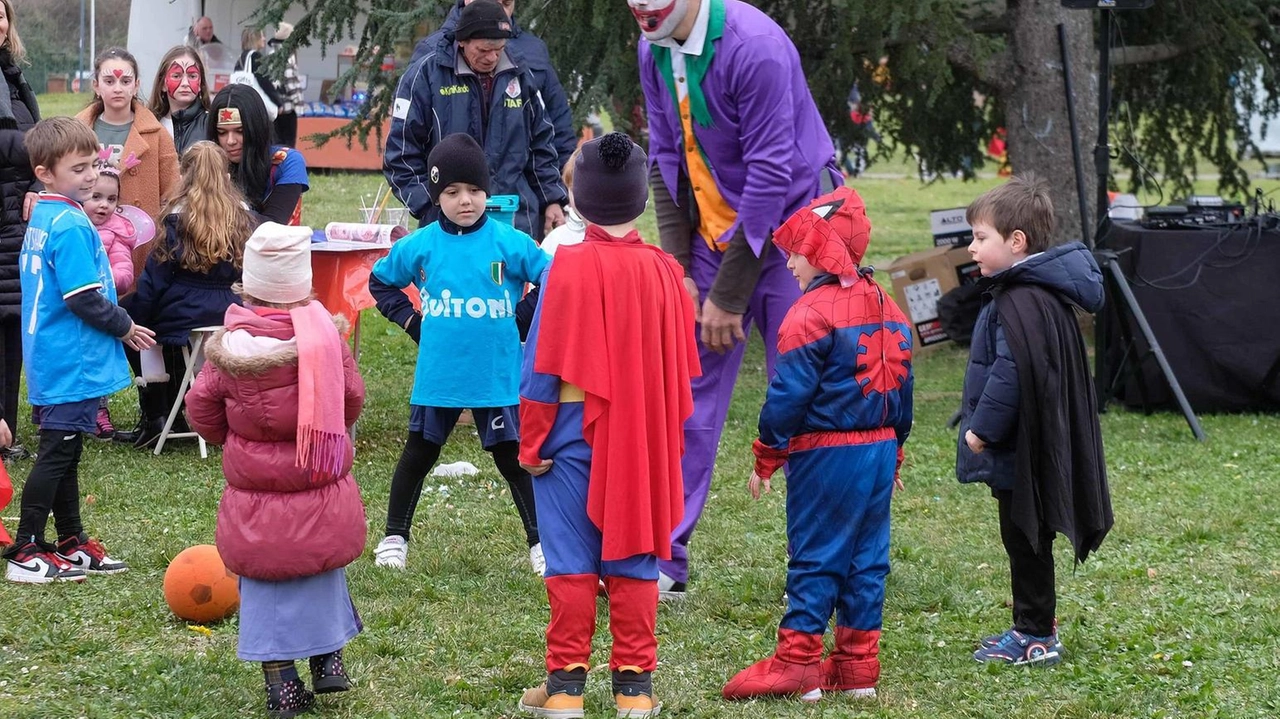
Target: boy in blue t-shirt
<point>470,271</point>
<point>72,330</point>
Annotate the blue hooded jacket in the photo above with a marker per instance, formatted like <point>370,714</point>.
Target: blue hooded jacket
<point>439,95</point>
<point>990,403</point>
<point>532,54</point>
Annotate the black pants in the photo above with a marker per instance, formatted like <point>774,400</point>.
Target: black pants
<point>1035,600</point>
<point>11,355</point>
<point>52,486</point>
<point>420,455</point>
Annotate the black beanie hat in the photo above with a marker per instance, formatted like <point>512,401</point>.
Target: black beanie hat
<point>458,158</point>
<point>483,19</point>
<point>610,180</point>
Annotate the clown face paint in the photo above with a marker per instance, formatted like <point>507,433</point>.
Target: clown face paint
<point>658,18</point>
<point>182,83</point>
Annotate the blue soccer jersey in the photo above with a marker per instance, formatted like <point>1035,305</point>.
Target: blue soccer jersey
<point>469,353</point>
<point>66,359</point>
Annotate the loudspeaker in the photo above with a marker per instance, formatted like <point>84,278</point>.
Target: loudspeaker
<point>1107,4</point>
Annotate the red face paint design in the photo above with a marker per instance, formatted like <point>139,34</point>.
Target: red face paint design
<point>182,75</point>
<point>651,20</point>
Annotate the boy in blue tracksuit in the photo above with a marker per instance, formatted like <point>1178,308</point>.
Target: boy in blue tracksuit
<point>471,84</point>
<point>470,271</point>
<point>1029,421</point>
<point>837,414</point>
<point>71,345</point>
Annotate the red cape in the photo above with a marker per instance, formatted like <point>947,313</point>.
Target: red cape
<point>617,322</point>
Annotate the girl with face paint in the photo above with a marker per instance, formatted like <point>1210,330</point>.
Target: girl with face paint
<point>126,127</point>
<point>180,97</point>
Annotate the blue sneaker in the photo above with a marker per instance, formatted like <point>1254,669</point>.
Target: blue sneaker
<point>1017,648</point>
<point>994,639</point>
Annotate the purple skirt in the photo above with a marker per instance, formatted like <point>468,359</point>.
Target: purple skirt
<point>297,618</point>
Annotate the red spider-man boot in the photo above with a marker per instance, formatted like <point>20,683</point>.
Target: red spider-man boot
<point>794,670</point>
<point>854,665</point>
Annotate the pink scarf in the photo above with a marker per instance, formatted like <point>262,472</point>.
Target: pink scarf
<point>322,433</point>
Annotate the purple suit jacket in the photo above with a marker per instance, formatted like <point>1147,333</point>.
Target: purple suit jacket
<point>767,145</point>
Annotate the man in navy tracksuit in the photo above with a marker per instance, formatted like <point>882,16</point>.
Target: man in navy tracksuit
<point>530,53</point>
<point>473,85</point>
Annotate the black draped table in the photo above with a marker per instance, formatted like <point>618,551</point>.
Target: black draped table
<point>1212,296</point>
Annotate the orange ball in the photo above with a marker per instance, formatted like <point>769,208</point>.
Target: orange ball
<point>199,588</point>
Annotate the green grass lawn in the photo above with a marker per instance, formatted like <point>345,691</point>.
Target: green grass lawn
<point>1177,616</point>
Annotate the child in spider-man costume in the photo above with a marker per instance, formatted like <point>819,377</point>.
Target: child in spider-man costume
<point>837,413</point>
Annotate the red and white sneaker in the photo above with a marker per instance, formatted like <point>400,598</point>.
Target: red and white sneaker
<point>88,555</point>
<point>32,564</point>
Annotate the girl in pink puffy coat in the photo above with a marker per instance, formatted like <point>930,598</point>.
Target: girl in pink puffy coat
<point>291,518</point>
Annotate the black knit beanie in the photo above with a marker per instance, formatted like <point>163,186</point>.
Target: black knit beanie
<point>483,19</point>
<point>458,158</point>
<point>610,180</point>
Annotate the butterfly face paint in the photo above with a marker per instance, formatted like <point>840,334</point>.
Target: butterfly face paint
<point>182,82</point>
<point>658,18</point>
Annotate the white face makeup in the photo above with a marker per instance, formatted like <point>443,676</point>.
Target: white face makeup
<point>658,18</point>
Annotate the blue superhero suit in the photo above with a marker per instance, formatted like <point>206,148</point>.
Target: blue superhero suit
<point>837,414</point>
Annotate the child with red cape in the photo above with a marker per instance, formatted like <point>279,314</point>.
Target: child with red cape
<point>604,394</point>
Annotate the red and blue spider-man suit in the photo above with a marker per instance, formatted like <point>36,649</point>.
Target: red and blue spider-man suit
<point>837,413</point>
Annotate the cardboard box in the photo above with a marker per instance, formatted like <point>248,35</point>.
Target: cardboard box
<point>920,279</point>
<point>950,228</point>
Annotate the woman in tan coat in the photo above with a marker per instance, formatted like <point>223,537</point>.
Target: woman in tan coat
<point>126,128</point>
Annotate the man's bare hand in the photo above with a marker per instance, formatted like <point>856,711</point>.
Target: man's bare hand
<point>692,288</point>
<point>721,330</point>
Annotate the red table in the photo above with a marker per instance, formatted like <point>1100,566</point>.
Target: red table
<point>340,278</point>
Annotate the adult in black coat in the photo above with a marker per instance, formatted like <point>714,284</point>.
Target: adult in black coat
<point>18,113</point>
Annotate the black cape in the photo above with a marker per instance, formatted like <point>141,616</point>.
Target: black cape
<point>1061,473</point>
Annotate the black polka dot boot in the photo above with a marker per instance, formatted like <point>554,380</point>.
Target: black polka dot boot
<point>288,699</point>
<point>328,673</point>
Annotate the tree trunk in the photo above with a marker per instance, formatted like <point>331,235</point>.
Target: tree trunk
<point>1039,132</point>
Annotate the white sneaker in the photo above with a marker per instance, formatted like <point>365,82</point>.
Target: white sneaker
<point>33,565</point>
<point>392,552</point>
<point>669,590</point>
<point>538,559</point>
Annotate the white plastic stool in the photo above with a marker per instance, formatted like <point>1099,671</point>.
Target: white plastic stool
<point>193,358</point>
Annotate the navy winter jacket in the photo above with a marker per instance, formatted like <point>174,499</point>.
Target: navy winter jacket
<point>990,403</point>
<point>439,95</point>
<point>532,54</point>
<point>173,300</point>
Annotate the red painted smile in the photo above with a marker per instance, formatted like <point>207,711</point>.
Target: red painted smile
<point>651,20</point>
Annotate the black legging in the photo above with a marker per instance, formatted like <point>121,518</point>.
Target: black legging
<point>53,485</point>
<point>417,459</point>
<point>11,355</point>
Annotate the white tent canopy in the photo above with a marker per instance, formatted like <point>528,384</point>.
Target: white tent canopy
<point>157,25</point>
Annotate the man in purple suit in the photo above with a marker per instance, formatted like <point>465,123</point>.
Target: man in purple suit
<point>736,146</point>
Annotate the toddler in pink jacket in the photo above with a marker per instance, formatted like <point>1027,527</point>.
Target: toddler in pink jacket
<point>117,231</point>
<point>279,392</point>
